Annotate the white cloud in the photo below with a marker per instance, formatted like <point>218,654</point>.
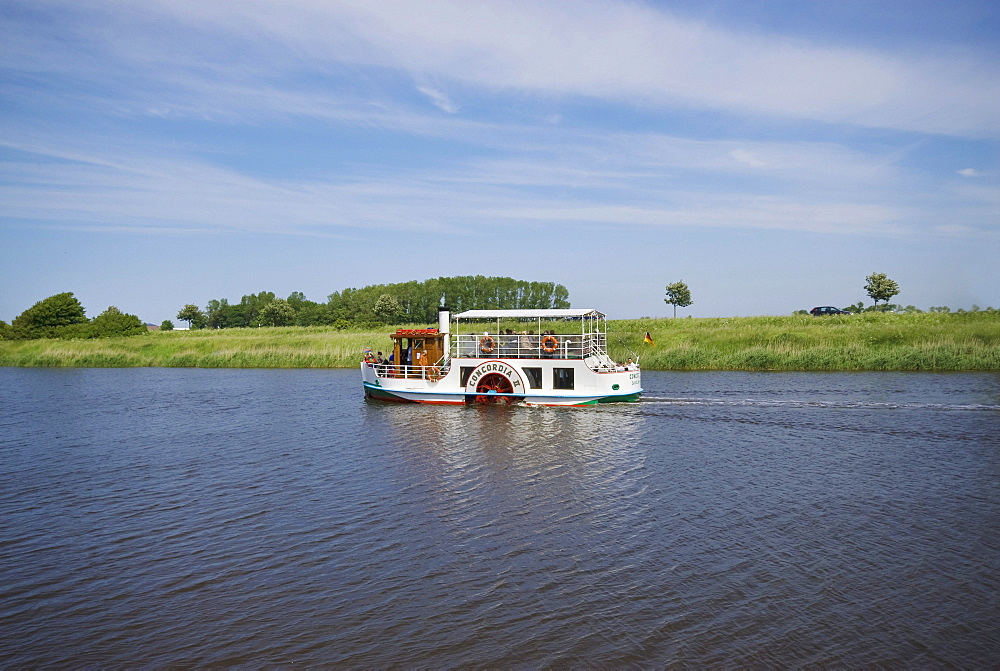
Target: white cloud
<point>747,158</point>
<point>622,181</point>
<point>630,52</point>
<point>969,172</point>
<point>440,100</point>
<point>623,52</point>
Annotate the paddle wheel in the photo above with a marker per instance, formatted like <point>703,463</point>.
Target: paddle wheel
<point>490,386</point>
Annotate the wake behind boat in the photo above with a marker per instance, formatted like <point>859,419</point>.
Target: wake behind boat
<point>503,357</point>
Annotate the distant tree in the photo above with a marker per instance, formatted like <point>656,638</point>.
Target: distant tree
<point>880,288</point>
<point>5,330</point>
<point>297,299</point>
<point>277,313</point>
<point>221,315</point>
<point>251,305</point>
<point>312,314</point>
<point>560,297</point>
<point>940,308</point>
<point>47,317</point>
<point>166,325</point>
<point>857,308</point>
<point>193,316</point>
<point>114,323</point>
<point>387,308</point>
<point>678,295</point>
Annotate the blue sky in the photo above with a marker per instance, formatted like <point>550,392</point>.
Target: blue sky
<point>770,154</point>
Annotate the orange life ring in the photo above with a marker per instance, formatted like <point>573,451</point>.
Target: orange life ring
<point>486,344</point>
<point>550,344</point>
<point>433,373</point>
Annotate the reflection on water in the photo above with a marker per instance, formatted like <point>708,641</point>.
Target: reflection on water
<point>192,518</point>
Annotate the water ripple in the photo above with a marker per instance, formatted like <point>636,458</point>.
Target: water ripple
<point>266,518</point>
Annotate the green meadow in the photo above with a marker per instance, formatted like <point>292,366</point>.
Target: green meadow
<point>968,341</point>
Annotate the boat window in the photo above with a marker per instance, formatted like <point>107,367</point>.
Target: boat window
<point>534,377</point>
<point>562,378</point>
<point>466,371</point>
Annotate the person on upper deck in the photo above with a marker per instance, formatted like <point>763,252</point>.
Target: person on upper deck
<point>509,340</point>
<point>524,344</point>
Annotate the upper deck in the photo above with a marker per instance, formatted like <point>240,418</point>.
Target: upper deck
<point>532,334</point>
<point>542,335</point>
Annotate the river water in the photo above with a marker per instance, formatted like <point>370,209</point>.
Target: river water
<point>187,517</point>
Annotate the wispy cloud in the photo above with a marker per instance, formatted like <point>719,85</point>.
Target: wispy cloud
<point>439,99</point>
<point>623,52</point>
<point>625,180</point>
<point>620,51</point>
<point>747,158</point>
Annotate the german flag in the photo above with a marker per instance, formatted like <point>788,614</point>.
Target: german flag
<point>649,339</point>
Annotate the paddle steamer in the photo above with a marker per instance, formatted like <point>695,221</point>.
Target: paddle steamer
<point>503,357</point>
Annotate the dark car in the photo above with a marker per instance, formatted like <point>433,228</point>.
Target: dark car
<point>827,310</point>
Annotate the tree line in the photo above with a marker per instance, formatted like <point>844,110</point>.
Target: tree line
<point>404,303</point>
<point>63,316</point>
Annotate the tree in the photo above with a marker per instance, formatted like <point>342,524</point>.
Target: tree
<point>251,305</point>
<point>222,315</point>
<point>47,317</point>
<point>297,299</point>
<point>277,313</point>
<point>193,316</point>
<point>678,295</point>
<point>166,325</point>
<point>113,323</point>
<point>880,287</point>
<point>387,308</point>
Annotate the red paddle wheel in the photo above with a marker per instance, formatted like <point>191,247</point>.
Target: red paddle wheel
<point>490,386</point>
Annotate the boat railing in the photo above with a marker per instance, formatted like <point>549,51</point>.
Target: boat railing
<point>526,346</point>
<point>431,373</point>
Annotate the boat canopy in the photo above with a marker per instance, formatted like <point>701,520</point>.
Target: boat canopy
<point>529,314</point>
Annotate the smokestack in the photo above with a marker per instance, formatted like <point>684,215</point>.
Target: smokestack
<point>444,326</point>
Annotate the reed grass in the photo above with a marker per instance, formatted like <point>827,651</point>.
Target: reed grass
<point>871,341</point>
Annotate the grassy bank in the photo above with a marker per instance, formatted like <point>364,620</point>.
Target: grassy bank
<point>868,341</point>
<point>292,347</point>
<point>871,341</point>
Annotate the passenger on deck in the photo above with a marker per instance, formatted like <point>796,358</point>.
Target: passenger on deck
<point>524,344</point>
<point>509,340</point>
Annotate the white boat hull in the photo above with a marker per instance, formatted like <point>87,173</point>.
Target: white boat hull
<point>516,381</point>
